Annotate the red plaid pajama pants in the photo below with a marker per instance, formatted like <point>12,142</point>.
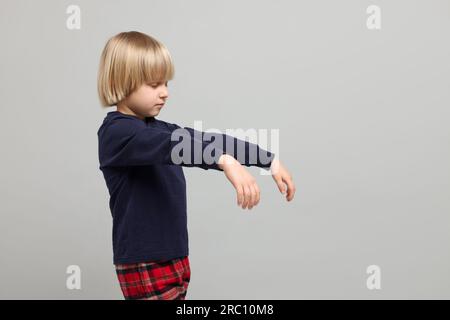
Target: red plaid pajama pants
<point>155,280</point>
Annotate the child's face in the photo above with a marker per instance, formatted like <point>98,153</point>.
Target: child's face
<point>146,100</point>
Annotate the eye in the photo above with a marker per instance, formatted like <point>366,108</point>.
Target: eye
<point>156,84</point>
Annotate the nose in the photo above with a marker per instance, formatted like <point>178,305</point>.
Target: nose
<point>164,94</point>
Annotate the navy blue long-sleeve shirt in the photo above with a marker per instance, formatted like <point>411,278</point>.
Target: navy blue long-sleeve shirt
<point>146,183</point>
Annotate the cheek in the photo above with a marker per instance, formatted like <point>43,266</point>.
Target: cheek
<point>143,97</point>
<point>148,94</point>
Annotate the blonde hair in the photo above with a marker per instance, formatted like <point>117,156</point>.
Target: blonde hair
<point>129,60</point>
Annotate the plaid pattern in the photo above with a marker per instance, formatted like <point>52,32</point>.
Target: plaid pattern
<point>156,280</point>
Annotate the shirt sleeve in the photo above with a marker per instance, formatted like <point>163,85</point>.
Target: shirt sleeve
<point>245,152</point>
<point>123,143</point>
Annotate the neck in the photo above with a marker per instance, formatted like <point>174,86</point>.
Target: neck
<point>126,110</point>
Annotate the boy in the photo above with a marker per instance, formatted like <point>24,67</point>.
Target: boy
<point>144,175</point>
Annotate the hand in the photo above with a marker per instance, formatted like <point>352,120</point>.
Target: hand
<point>282,178</point>
<point>247,190</point>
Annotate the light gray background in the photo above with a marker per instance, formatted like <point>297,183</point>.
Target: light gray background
<point>364,126</point>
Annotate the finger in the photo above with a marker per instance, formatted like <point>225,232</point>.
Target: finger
<point>240,195</point>
<point>252,196</point>
<point>246,197</point>
<point>281,185</point>
<point>249,197</point>
<point>291,189</point>
<point>258,193</point>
